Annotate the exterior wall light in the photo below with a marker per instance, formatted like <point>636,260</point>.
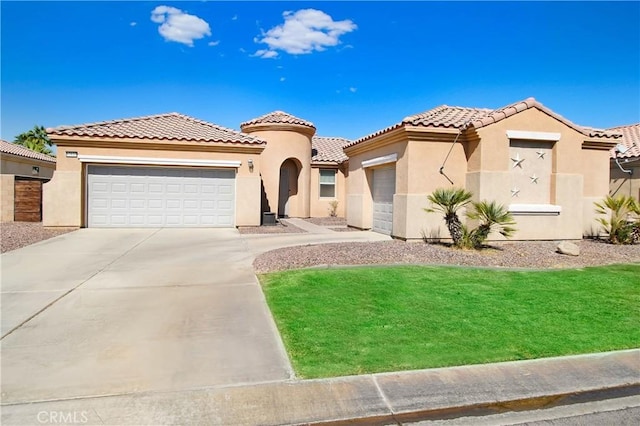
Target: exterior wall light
<point>35,170</point>
<point>71,154</point>
<point>250,164</point>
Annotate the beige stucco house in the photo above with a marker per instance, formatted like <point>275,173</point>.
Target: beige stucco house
<point>625,163</point>
<point>22,173</point>
<point>175,170</point>
<point>547,170</point>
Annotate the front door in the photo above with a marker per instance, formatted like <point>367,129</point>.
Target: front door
<point>283,197</point>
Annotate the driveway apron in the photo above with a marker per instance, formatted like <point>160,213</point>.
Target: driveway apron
<point>104,312</point>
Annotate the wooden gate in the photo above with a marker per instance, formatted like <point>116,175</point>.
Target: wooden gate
<point>28,201</point>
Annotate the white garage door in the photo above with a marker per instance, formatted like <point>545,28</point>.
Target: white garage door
<point>384,186</point>
<point>160,197</point>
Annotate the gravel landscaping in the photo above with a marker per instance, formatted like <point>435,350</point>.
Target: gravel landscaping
<point>538,254</point>
<point>279,228</point>
<point>328,221</point>
<point>20,234</point>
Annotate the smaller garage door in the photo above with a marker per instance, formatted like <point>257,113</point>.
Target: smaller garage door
<point>384,186</point>
<point>160,197</point>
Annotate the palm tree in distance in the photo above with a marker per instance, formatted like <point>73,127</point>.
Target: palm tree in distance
<point>35,139</point>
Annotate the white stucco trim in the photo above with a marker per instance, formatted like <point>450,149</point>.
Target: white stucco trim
<point>392,158</point>
<point>535,209</point>
<point>538,136</point>
<point>112,159</point>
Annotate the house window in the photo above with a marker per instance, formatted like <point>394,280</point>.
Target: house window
<point>327,183</point>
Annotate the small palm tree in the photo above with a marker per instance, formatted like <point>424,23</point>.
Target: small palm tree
<point>492,217</point>
<point>35,139</point>
<point>448,201</point>
<point>619,226</point>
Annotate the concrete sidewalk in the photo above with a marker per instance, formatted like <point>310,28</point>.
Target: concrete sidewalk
<point>389,398</point>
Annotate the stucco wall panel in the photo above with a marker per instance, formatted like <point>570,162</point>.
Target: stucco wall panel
<point>623,184</point>
<point>62,200</point>
<point>24,167</point>
<point>595,168</point>
<point>424,160</point>
<point>7,196</point>
<point>359,213</point>
<point>248,201</point>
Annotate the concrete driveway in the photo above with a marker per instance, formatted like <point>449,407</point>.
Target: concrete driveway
<point>105,312</point>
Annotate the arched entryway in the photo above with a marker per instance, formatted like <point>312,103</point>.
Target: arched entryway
<point>288,190</point>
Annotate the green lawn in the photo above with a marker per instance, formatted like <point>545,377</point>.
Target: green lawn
<point>362,320</point>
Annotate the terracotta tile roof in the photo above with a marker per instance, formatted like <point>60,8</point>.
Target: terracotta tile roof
<point>630,139</point>
<point>442,116</point>
<point>328,150</point>
<point>171,126</point>
<point>512,109</point>
<point>445,116</point>
<point>11,148</point>
<point>278,117</point>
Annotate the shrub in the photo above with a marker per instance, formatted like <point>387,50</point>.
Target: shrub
<point>623,222</point>
<point>491,215</point>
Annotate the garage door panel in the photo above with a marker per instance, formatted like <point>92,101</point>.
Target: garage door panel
<point>384,186</point>
<point>157,197</point>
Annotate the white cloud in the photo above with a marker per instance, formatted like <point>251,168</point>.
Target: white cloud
<point>353,89</point>
<point>304,31</point>
<point>213,43</point>
<point>266,54</point>
<point>179,26</point>
<point>282,79</point>
<point>133,23</point>
<point>235,18</point>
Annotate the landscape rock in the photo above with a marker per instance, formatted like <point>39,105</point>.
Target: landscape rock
<point>565,247</point>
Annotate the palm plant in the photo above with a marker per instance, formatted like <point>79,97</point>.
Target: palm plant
<point>448,201</point>
<point>35,139</point>
<point>492,217</point>
<point>618,225</point>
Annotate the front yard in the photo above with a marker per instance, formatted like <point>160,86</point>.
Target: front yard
<point>338,322</point>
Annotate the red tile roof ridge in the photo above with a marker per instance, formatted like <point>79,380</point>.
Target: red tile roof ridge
<point>167,126</point>
<point>278,117</point>
<point>21,151</point>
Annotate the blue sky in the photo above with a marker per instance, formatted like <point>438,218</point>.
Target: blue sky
<point>350,67</point>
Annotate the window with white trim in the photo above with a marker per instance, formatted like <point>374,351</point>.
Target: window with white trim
<point>327,183</point>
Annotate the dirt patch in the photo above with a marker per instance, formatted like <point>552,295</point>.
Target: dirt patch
<point>15,235</point>
<point>538,254</point>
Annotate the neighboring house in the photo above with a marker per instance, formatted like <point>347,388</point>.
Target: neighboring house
<point>174,170</point>
<point>547,170</point>
<point>22,173</point>
<point>625,163</point>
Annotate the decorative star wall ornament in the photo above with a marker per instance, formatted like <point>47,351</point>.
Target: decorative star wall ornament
<point>515,191</point>
<point>517,161</point>
<point>541,154</point>
<point>534,178</point>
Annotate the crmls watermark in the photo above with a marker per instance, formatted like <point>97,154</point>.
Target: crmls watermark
<point>62,417</point>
